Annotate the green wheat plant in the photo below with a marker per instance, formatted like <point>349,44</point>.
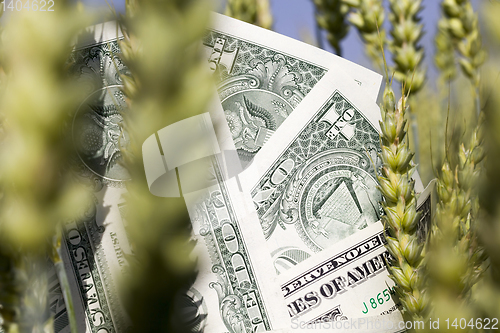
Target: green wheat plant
<point>257,12</point>
<point>456,257</point>
<point>460,24</point>
<point>459,33</point>
<point>38,189</point>
<point>399,205</point>
<point>368,18</point>
<point>445,55</point>
<point>332,17</point>
<point>406,33</point>
<point>454,274</point>
<point>168,82</point>
<point>487,293</point>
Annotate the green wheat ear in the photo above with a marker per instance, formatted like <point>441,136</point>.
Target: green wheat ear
<point>460,23</point>
<point>455,257</point>
<point>257,12</point>
<point>368,18</point>
<point>445,54</point>
<point>168,82</point>
<point>406,33</point>
<point>37,186</point>
<point>455,224</point>
<point>331,16</point>
<point>459,33</point>
<point>400,206</point>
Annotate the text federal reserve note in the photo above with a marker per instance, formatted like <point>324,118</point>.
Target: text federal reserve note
<point>349,279</point>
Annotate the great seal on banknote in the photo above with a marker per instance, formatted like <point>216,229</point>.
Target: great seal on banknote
<point>99,136</point>
<point>257,102</point>
<point>323,184</point>
<point>258,86</point>
<point>332,197</point>
<point>97,124</point>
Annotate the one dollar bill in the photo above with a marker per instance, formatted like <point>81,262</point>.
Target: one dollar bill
<point>315,184</point>
<point>234,289</point>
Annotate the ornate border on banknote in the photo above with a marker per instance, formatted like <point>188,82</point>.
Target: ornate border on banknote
<point>243,57</point>
<point>241,304</point>
<point>331,315</point>
<point>84,267</point>
<point>98,136</point>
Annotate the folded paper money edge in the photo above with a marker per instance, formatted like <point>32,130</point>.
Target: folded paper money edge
<point>185,146</point>
<point>179,170</point>
<point>370,80</point>
<point>335,80</point>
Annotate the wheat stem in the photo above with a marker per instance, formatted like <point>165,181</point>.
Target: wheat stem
<point>168,82</point>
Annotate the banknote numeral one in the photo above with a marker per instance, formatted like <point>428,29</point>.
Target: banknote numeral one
<point>342,125</point>
<point>279,176</point>
<point>220,57</point>
<point>216,53</point>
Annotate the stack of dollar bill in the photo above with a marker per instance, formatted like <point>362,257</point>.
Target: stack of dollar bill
<point>289,233</point>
